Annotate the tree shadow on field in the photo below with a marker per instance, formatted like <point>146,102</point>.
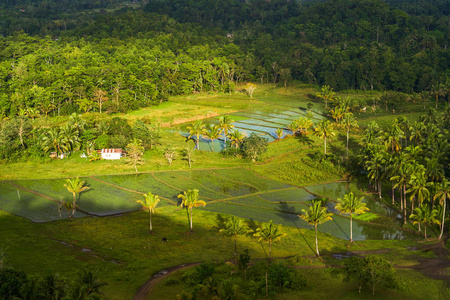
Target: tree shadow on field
<point>304,139</point>
<point>251,224</point>
<point>310,246</point>
<point>220,222</point>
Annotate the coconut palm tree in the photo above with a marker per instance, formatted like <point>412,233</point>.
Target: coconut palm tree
<point>419,186</point>
<point>225,125</point>
<point>236,138</point>
<point>53,140</point>
<point>75,186</point>
<point>269,233</point>
<point>196,129</point>
<point>401,180</point>
<point>392,138</point>
<point>315,215</point>
<point>438,90</point>
<point>324,129</point>
<point>326,93</point>
<point>70,137</point>
<point>150,202</point>
<point>233,228</point>
<point>417,131</point>
<point>376,168</point>
<point>424,215</point>
<point>279,133</point>
<point>190,200</point>
<point>349,121</point>
<point>304,124</point>
<point>294,126</point>
<point>353,206</point>
<point>443,193</point>
<point>213,133</point>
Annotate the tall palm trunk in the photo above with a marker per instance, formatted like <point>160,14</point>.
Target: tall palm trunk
<point>443,218</point>
<point>235,242</point>
<point>190,220</point>
<point>317,244</point>
<point>404,204</point>
<point>270,250</point>
<point>151,228</point>
<point>393,193</point>
<point>401,198</point>
<point>348,131</point>
<point>325,144</point>
<point>351,229</point>
<point>74,204</point>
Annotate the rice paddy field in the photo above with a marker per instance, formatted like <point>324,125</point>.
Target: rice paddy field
<point>110,233</point>
<point>233,191</point>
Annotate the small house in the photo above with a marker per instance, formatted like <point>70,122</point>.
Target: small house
<point>111,153</point>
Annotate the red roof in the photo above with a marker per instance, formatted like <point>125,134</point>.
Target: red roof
<point>119,150</point>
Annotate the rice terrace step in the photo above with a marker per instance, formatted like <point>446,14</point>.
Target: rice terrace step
<point>235,191</point>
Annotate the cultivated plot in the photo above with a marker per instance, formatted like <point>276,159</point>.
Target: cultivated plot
<point>234,191</point>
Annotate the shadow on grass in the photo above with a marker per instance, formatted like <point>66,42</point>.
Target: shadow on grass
<point>303,139</point>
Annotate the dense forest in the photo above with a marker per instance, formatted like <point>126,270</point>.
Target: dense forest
<point>64,57</point>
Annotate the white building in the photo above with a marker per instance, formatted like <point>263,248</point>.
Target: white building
<point>111,153</point>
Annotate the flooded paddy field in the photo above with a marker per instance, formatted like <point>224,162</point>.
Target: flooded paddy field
<point>235,191</point>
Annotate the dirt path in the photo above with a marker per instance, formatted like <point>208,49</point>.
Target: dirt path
<point>144,291</point>
<point>435,268</point>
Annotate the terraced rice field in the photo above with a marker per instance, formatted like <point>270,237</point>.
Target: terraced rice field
<point>235,191</point>
<point>263,121</point>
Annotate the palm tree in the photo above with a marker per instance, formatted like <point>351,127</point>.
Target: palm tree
<point>236,138</point>
<point>443,193</point>
<point>437,90</point>
<point>53,139</point>
<point>419,186</point>
<point>234,227</point>
<point>70,137</point>
<point>316,214</point>
<point>424,215</point>
<point>279,133</point>
<point>225,127</point>
<point>75,186</point>
<point>324,130</point>
<point>196,129</point>
<point>294,126</point>
<point>337,114</point>
<point>87,286</point>
<point>304,124</point>
<point>353,206</point>
<point>417,132</point>
<point>213,133</point>
<point>269,233</point>
<point>392,138</point>
<point>326,93</point>
<point>401,181</point>
<point>190,200</point>
<point>349,121</point>
<point>150,203</point>
<point>375,168</point>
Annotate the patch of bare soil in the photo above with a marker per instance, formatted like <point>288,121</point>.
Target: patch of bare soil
<point>146,288</point>
<point>435,268</point>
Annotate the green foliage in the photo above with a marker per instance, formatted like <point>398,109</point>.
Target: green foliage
<point>253,146</point>
<point>370,271</point>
